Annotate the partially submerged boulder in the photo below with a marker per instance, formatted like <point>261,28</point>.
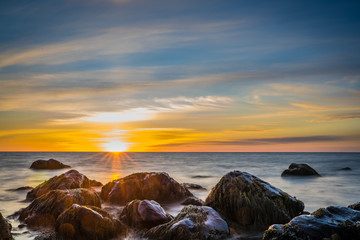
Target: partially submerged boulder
<point>144,214</point>
<point>157,186</point>
<point>193,186</point>
<point>24,188</point>
<point>43,211</point>
<point>299,170</point>
<point>245,200</point>
<point>332,222</point>
<point>5,229</point>
<point>193,222</point>
<point>355,206</point>
<point>69,180</point>
<point>50,164</point>
<point>81,222</point>
<point>193,201</point>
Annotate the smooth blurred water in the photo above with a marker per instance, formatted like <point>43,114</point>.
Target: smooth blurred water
<point>335,187</point>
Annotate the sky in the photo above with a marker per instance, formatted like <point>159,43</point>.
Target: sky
<point>198,76</point>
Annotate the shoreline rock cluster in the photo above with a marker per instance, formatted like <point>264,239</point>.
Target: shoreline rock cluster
<point>69,206</point>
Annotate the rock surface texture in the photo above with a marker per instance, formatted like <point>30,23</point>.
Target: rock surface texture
<point>157,186</point>
<point>44,210</point>
<point>5,229</point>
<point>69,180</point>
<point>144,214</point>
<point>92,223</point>
<point>331,223</point>
<point>245,200</point>
<point>193,222</point>
<point>299,170</point>
<point>50,164</point>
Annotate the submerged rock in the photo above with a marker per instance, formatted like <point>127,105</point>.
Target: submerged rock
<point>355,206</point>
<point>158,186</point>
<point>193,201</point>
<point>5,229</point>
<point>346,168</point>
<point>332,222</point>
<point>80,222</point>
<point>193,186</point>
<point>144,214</point>
<point>43,211</point>
<point>24,188</point>
<point>299,170</point>
<point>193,222</point>
<point>246,200</point>
<point>50,164</point>
<point>69,180</point>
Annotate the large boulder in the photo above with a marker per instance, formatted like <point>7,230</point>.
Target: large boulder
<point>299,170</point>
<point>92,223</point>
<point>43,211</point>
<point>69,180</point>
<point>245,200</point>
<point>193,222</point>
<point>330,223</point>
<point>50,164</point>
<point>144,214</point>
<point>5,229</point>
<point>157,186</point>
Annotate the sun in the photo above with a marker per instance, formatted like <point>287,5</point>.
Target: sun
<point>115,146</point>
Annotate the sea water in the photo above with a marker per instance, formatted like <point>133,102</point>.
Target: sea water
<point>334,187</point>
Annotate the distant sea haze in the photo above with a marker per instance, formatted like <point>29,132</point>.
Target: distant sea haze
<point>334,187</point>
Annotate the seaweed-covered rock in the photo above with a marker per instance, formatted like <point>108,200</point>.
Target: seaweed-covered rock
<point>50,164</point>
<point>155,186</point>
<point>43,211</point>
<point>144,214</point>
<point>246,200</point>
<point>92,223</point>
<point>5,229</point>
<point>332,222</point>
<point>193,222</point>
<point>69,180</point>
<point>299,170</point>
<point>193,201</point>
<point>355,206</point>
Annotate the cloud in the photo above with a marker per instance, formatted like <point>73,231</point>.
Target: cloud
<point>336,117</point>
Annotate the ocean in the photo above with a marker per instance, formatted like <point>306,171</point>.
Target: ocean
<point>334,187</point>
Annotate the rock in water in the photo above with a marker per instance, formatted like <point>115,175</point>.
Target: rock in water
<point>246,200</point>
<point>355,206</point>
<point>50,164</point>
<point>5,229</point>
<point>155,186</point>
<point>193,186</point>
<point>92,223</point>
<point>330,223</point>
<point>69,180</point>
<point>144,214</point>
<point>299,170</point>
<point>193,222</point>
<point>193,201</point>
<point>43,211</point>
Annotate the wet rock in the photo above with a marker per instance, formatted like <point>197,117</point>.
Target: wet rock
<point>157,186</point>
<point>144,214</point>
<point>245,200</point>
<point>43,211</point>
<point>355,206</point>
<point>24,188</point>
<point>69,180</point>
<point>193,186</point>
<point>94,183</point>
<point>80,222</point>
<point>50,164</point>
<point>193,222</point>
<point>346,168</point>
<point>5,229</point>
<point>299,170</point>
<point>193,201</point>
<point>332,223</point>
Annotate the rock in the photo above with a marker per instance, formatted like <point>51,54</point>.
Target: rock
<point>50,164</point>
<point>155,186</point>
<point>43,211</point>
<point>24,188</point>
<point>245,200</point>
<point>144,214</point>
<point>299,170</point>
<point>355,206</point>
<point>193,222</point>
<point>92,223</point>
<point>193,201</point>
<point>346,168</point>
<point>94,183</point>
<point>193,186</point>
<point>332,222</point>
<point>5,229</point>
<point>69,180</point>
